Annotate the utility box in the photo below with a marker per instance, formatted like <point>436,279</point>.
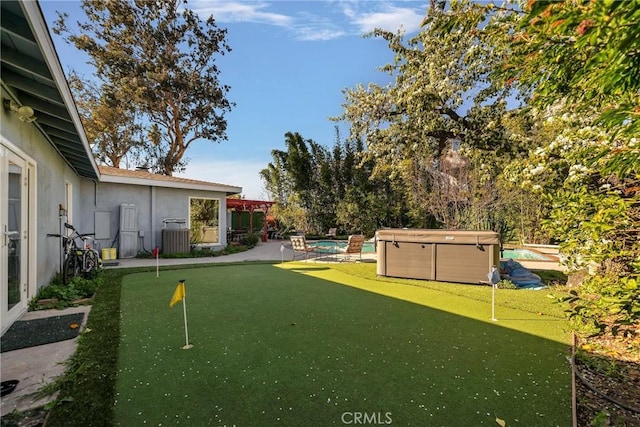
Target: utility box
<point>459,256</point>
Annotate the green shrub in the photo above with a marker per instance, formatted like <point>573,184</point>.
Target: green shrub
<point>605,304</point>
<point>198,252</point>
<point>552,277</point>
<point>506,284</point>
<point>250,240</point>
<point>233,249</point>
<point>65,295</point>
<point>202,252</point>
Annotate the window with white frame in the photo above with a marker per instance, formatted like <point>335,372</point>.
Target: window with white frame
<point>204,220</point>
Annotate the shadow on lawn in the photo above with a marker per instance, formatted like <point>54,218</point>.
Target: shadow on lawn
<point>274,346</point>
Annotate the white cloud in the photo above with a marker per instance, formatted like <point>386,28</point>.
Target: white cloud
<point>338,19</point>
<point>240,173</point>
<point>224,11</point>
<point>388,17</point>
<point>318,33</point>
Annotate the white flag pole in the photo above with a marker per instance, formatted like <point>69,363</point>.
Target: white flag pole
<point>282,252</point>
<point>157,262</point>
<point>493,302</point>
<point>187,346</point>
<point>494,278</point>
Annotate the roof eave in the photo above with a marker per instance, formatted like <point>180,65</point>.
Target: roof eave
<point>41,33</point>
<point>228,189</point>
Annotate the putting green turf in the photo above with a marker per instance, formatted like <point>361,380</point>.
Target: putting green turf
<point>292,345</point>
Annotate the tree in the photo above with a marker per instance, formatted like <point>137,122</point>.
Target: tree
<point>161,58</point>
<point>290,180</point>
<point>317,188</point>
<point>276,179</point>
<point>110,124</point>
<point>442,98</point>
<point>580,60</point>
<point>587,53</point>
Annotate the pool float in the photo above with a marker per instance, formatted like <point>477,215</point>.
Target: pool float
<point>519,275</point>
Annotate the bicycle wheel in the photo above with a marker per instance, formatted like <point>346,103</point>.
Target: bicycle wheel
<point>71,268</point>
<point>91,264</point>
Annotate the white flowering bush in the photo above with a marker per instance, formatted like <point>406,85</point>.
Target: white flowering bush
<point>590,178</point>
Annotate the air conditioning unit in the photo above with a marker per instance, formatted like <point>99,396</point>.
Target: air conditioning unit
<point>175,240</point>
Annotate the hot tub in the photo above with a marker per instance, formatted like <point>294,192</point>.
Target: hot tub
<point>459,256</point>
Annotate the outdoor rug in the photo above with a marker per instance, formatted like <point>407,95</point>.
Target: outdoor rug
<point>30,333</point>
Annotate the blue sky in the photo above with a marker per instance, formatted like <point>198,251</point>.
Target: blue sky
<point>289,63</point>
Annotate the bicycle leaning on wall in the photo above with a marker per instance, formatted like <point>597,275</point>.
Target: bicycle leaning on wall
<point>78,261</point>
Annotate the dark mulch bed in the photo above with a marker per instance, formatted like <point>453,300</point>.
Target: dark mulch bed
<point>30,333</point>
<point>608,389</point>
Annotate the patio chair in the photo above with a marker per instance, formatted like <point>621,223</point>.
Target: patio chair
<point>299,246</point>
<point>354,246</point>
<point>331,234</point>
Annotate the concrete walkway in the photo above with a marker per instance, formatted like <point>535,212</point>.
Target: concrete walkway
<point>273,250</point>
<point>267,251</point>
<point>36,366</point>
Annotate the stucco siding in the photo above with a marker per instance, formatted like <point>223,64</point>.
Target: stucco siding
<point>173,203</point>
<point>51,174</point>
<point>153,205</point>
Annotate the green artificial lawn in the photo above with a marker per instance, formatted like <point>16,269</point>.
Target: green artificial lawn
<point>304,344</point>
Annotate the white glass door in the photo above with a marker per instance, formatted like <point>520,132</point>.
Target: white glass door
<point>14,244</point>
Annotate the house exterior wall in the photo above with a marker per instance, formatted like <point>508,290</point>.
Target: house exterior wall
<point>51,175</point>
<point>153,205</point>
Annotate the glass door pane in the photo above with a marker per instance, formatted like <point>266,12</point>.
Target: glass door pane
<point>12,235</point>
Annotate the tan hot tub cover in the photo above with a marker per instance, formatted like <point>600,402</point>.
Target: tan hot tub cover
<point>460,256</point>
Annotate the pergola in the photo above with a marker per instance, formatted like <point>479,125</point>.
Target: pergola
<point>242,205</point>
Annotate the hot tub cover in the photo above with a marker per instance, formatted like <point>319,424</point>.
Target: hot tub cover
<point>439,236</point>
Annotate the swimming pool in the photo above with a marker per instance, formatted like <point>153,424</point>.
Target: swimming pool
<point>525,254</point>
<point>331,246</point>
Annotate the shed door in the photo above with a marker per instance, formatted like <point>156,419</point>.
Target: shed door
<point>128,231</point>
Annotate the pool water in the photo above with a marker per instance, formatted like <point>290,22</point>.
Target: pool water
<point>332,245</point>
<point>524,254</point>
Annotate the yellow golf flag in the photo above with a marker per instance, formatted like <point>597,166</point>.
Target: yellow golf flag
<point>178,294</point>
